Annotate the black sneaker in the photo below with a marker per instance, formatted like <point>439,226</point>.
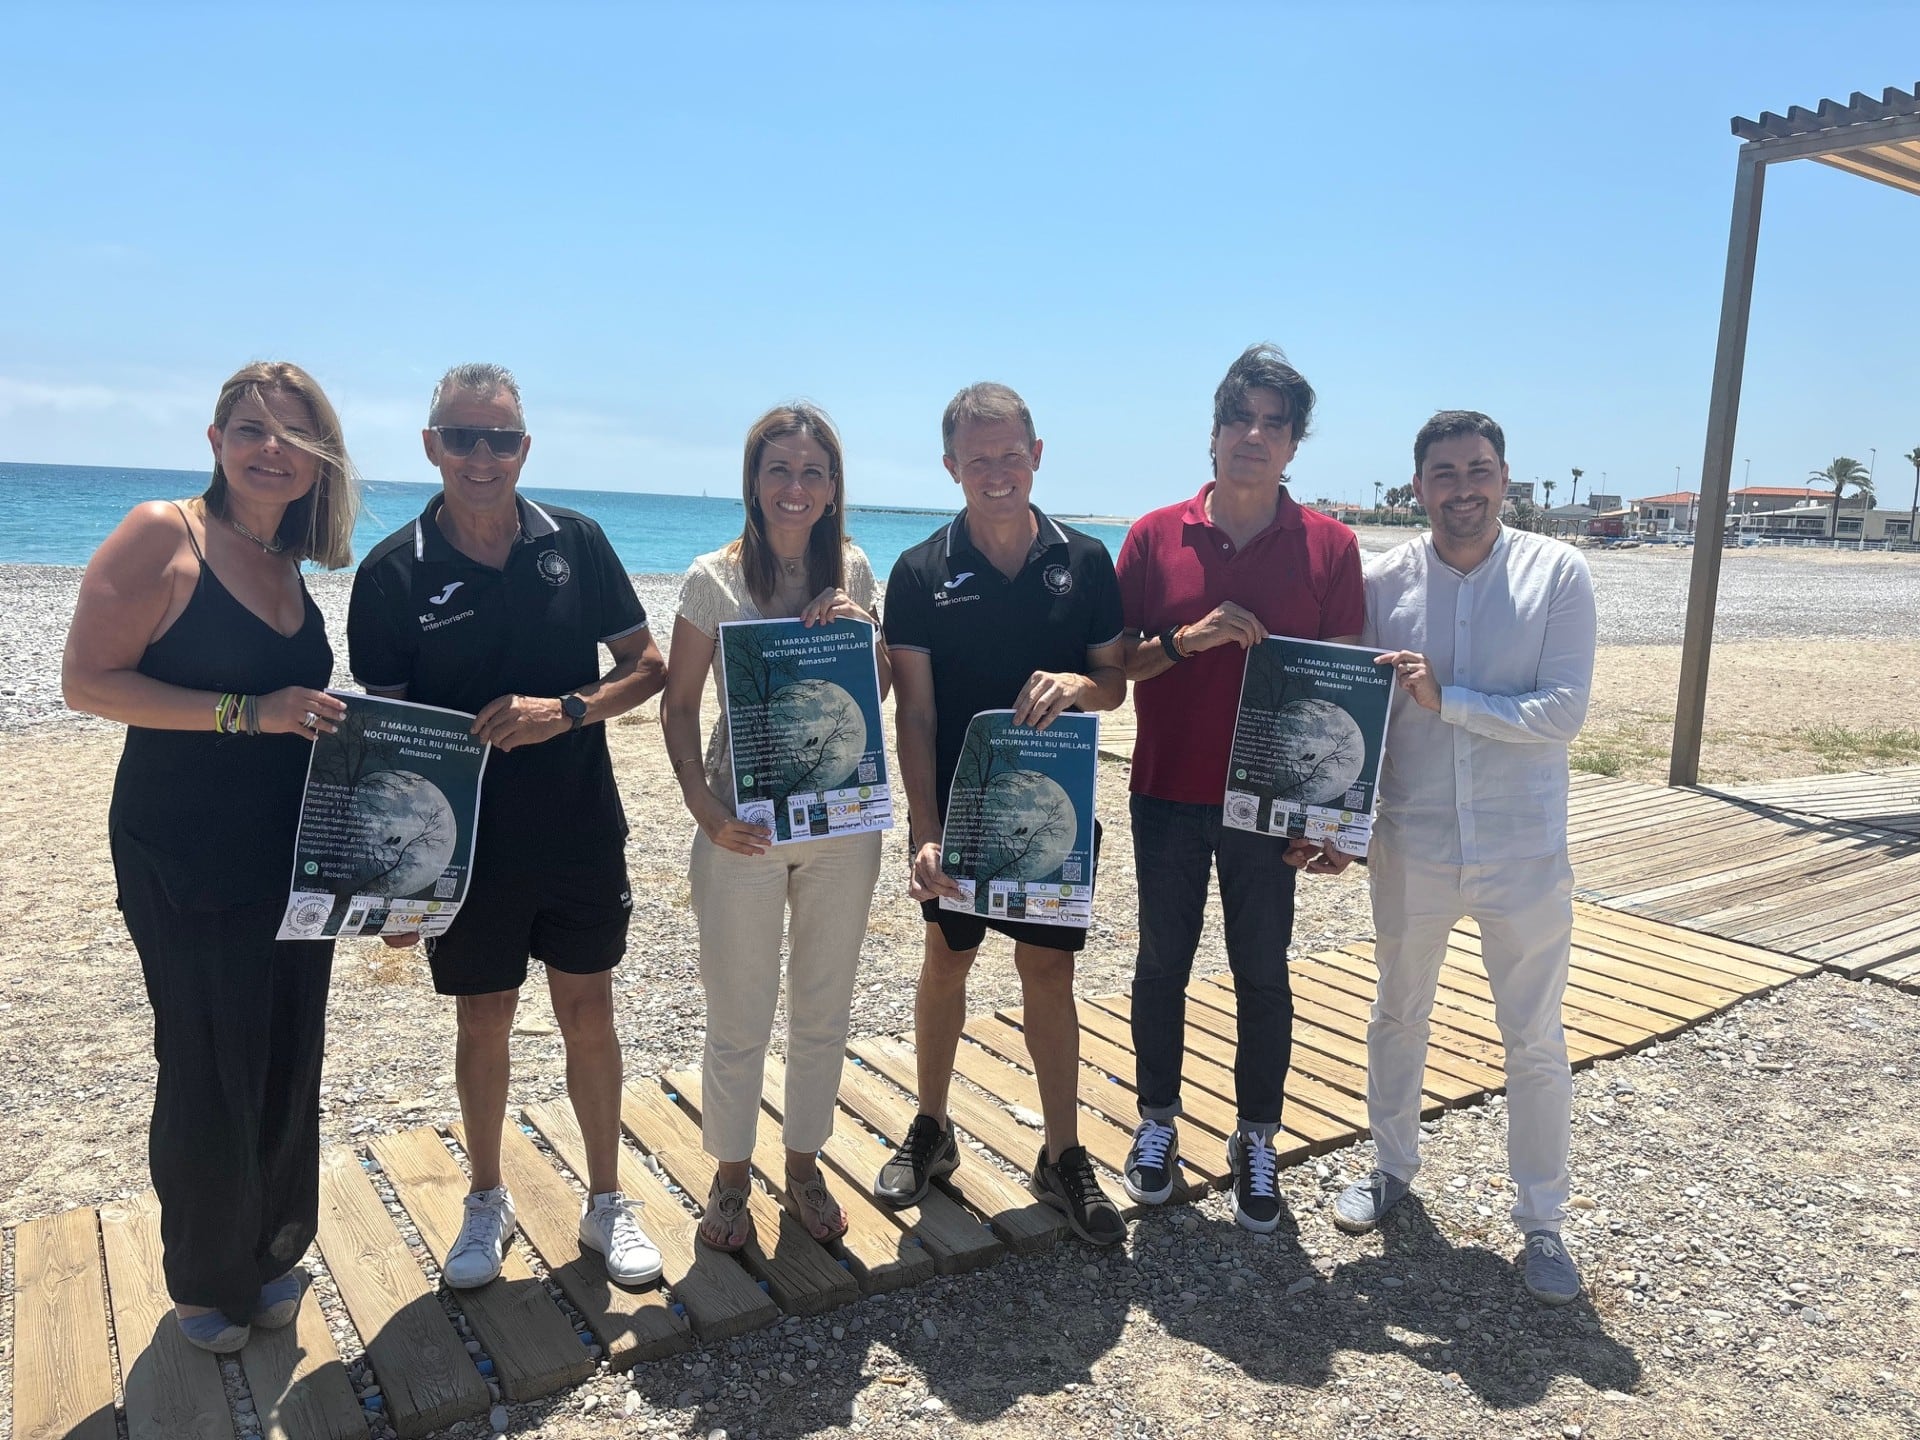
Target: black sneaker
<point>1153,1160</point>
<point>924,1156</point>
<point>1256,1192</point>
<point>1070,1186</point>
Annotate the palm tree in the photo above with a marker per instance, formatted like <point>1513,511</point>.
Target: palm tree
<point>1913,517</point>
<point>1574,498</point>
<point>1844,471</point>
<point>1547,486</point>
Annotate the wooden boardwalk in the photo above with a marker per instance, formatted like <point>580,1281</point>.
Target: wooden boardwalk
<point>89,1303</point>
<point>1825,869</point>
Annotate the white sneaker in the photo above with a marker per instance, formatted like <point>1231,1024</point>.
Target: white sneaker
<point>484,1233</point>
<point>607,1224</point>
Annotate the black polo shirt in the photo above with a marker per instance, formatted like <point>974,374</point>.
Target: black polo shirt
<point>457,633</point>
<point>987,634</point>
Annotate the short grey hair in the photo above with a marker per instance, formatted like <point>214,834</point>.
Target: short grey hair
<point>481,377</point>
<point>985,400</point>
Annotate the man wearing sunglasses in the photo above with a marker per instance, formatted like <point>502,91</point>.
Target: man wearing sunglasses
<point>491,603</point>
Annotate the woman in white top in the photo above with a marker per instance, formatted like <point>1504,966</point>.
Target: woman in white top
<point>792,560</point>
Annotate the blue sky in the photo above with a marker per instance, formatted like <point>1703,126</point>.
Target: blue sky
<point>666,219</point>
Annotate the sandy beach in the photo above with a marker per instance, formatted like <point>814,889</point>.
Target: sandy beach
<point>1818,669</point>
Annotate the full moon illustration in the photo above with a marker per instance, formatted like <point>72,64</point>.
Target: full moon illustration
<point>1024,810</point>
<point>1319,750</point>
<point>822,733</point>
<point>407,832</point>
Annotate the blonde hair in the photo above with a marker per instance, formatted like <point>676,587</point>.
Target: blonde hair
<point>319,525</point>
<point>826,544</point>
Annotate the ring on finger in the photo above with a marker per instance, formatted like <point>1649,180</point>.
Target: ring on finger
<point>310,721</point>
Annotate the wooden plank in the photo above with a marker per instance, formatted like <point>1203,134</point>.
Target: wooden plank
<point>803,1277</point>
<point>1601,976</point>
<point>1025,1224</point>
<point>981,1118</point>
<point>1702,946</point>
<point>1105,1044</point>
<point>721,1299</point>
<point>300,1388</point>
<point>425,1374</point>
<point>1310,1106</point>
<point>1222,1021</point>
<point>1206,1086</point>
<point>1450,1079</point>
<point>1675,948</point>
<point>173,1390</point>
<point>955,1237</point>
<point>1103,1140</point>
<point>1346,982</point>
<point>535,1351</point>
<point>631,1325</point>
<point>884,1253</point>
<point>62,1368</point>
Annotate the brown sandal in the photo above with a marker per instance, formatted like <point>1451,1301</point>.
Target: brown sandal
<point>727,1206</point>
<point>814,1207</point>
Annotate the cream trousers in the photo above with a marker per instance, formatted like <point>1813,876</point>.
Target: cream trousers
<point>1525,912</point>
<point>742,902</point>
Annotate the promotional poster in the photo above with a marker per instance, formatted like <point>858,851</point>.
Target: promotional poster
<point>387,823</point>
<point>1307,743</point>
<point>1019,832</point>
<point>803,717</point>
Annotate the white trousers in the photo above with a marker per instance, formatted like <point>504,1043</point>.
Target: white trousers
<point>741,902</point>
<point>1525,912</point>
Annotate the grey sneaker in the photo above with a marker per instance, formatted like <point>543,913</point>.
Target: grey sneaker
<point>1364,1204</point>
<point>1552,1278</point>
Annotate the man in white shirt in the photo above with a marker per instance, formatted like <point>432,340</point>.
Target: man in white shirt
<point>1491,634</point>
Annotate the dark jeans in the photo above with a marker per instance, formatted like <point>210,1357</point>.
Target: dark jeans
<point>239,1025</point>
<point>1175,846</point>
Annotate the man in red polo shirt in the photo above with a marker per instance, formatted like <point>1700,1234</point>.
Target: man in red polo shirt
<point>1201,581</point>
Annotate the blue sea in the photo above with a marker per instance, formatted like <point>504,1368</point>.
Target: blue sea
<point>59,514</point>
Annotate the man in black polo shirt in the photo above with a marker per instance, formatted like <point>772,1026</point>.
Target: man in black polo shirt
<point>1001,608</point>
<point>493,604</point>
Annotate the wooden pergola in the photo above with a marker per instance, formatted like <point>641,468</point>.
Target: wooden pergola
<point>1875,139</point>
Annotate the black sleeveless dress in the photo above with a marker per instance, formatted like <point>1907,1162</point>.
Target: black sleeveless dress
<point>215,815</point>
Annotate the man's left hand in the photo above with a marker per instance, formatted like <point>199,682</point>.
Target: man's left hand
<point>516,720</point>
<point>1413,674</point>
<point>1046,696</point>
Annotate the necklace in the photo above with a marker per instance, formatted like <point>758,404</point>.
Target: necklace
<point>272,547</point>
<point>792,567</point>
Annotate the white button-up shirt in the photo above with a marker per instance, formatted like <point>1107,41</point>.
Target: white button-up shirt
<point>1511,645</point>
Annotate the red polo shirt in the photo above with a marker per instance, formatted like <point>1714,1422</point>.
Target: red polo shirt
<point>1300,575</point>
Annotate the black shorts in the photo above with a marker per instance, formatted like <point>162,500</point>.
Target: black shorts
<point>964,931</point>
<point>574,920</point>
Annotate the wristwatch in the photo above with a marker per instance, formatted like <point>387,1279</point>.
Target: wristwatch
<point>1170,642</point>
<point>575,709</point>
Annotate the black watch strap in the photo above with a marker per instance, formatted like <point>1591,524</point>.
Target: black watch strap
<point>575,710</point>
<point>1167,644</point>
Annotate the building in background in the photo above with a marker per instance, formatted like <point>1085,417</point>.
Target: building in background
<point>1667,515</point>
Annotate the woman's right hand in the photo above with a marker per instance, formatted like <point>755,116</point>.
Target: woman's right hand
<point>285,712</point>
<point>727,831</point>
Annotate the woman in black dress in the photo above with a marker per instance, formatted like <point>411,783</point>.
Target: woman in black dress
<point>195,629</point>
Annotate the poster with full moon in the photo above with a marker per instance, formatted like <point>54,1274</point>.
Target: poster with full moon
<point>1307,742</point>
<point>386,823</point>
<point>805,747</point>
<point>1018,838</point>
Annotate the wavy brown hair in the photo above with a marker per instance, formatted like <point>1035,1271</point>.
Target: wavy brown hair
<point>827,544</point>
<point>319,525</point>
